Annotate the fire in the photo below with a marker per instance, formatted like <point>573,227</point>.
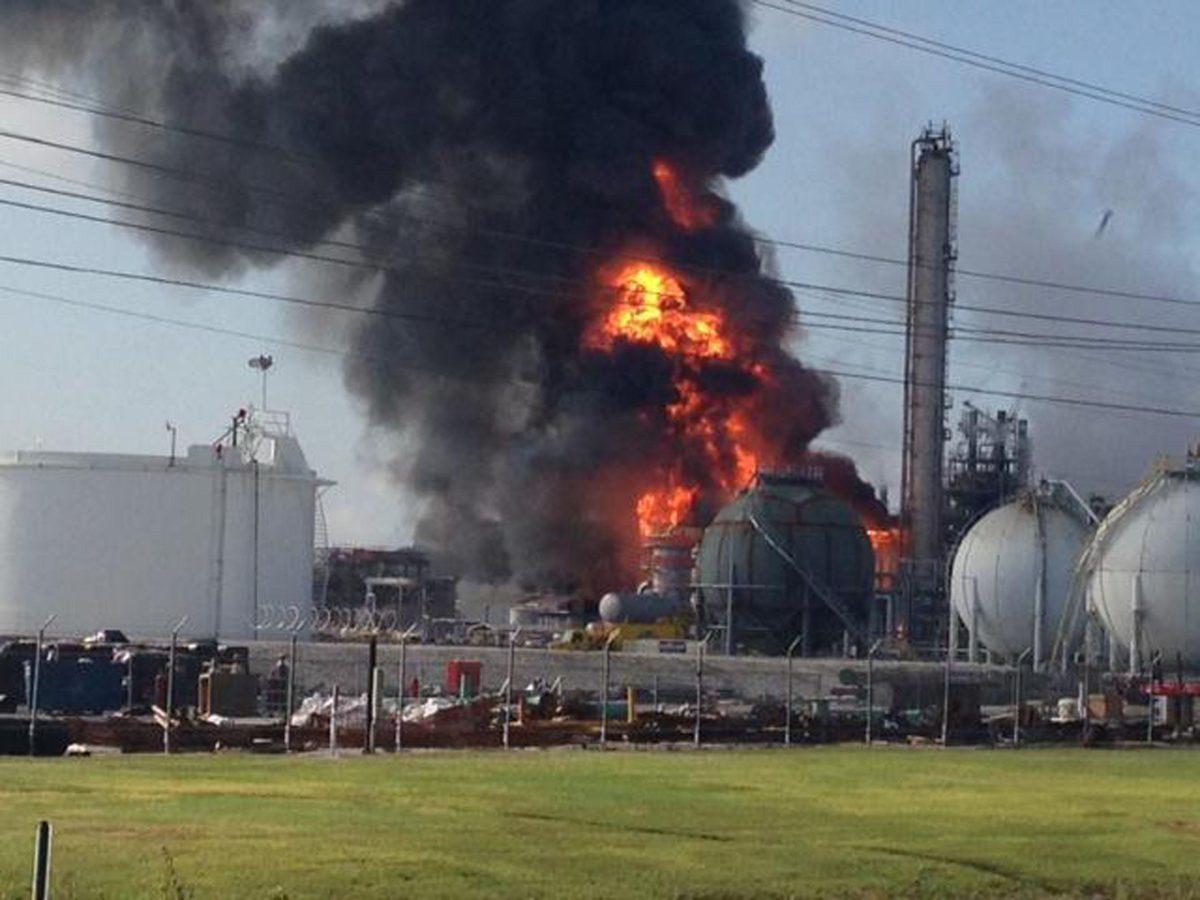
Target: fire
<point>652,308</point>
<point>687,210</point>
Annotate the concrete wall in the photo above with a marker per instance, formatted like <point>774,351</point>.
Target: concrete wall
<point>324,665</point>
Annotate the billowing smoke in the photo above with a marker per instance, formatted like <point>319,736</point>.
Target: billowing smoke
<point>494,159</point>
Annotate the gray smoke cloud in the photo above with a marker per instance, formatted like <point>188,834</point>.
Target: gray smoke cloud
<point>475,148</point>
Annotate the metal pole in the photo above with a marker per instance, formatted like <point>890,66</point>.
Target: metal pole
<point>1155,660</point>
<point>402,675</point>
<point>372,658</point>
<point>946,690</point>
<point>35,686</point>
<point>508,684</point>
<point>787,725</point>
<point>1016,736</point>
<point>605,668</point>
<point>41,861</point>
<point>290,700</point>
<point>699,690</point>
<point>871,688</point>
<point>333,714</point>
<point>171,683</point>
<point>656,693</point>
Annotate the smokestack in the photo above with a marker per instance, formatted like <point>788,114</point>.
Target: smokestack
<point>931,254</point>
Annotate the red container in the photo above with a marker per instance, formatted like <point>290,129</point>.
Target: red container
<point>464,677</point>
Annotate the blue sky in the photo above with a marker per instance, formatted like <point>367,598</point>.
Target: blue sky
<point>1038,169</point>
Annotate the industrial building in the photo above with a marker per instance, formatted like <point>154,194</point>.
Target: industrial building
<point>138,543</point>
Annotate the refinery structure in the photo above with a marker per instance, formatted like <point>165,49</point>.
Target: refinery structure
<point>210,537</point>
<point>743,541</point>
<point>741,547</point>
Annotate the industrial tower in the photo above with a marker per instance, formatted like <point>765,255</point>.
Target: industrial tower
<point>931,256</point>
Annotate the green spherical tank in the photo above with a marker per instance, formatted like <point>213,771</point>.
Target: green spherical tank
<point>774,557</point>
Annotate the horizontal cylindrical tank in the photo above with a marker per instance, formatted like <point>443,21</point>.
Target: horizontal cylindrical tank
<point>1015,561</point>
<point>1143,571</point>
<point>770,558</point>
<point>223,535</point>
<point>643,608</point>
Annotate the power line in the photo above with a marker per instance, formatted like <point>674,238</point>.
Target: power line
<point>375,266</point>
<point>841,373</point>
<point>133,118</point>
<point>220,185</point>
<point>995,59</point>
<point>162,280</point>
<point>882,34</point>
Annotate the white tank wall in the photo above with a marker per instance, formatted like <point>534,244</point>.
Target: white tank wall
<point>1154,541</point>
<point>998,564</point>
<point>134,543</point>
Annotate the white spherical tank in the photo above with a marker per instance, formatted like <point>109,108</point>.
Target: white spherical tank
<point>1015,558</point>
<point>222,535</point>
<point>1143,572</point>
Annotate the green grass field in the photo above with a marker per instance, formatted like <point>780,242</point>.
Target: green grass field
<point>823,822</point>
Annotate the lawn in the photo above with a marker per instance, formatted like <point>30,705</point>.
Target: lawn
<point>824,822</point>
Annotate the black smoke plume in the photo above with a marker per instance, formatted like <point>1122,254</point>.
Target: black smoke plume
<point>489,156</point>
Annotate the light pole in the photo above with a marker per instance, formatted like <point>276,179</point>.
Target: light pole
<point>508,684</point>
<point>171,684</point>
<point>787,725</point>
<point>34,687</point>
<point>871,689</point>
<point>1016,735</point>
<point>604,670</point>
<point>262,364</point>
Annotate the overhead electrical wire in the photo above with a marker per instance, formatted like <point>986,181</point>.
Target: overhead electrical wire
<point>1014,338</point>
<point>1040,340</point>
<point>841,373</point>
<point>980,61</point>
<point>220,185</point>
<point>493,270</point>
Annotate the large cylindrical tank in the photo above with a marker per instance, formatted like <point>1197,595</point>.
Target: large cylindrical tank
<point>643,607</point>
<point>1144,567</point>
<point>222,536</point>
<point>748,559</point>
<point>1006,559</point>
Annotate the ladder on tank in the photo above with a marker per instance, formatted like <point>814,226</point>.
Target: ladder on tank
<point>826,596</point>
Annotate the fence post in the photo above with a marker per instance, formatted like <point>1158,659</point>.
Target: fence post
<point>41,861</point>
<point>372,682</point>
<point>333,714</point>
<point>508,684</point>
<point>699,691</point>
<point>604,678</point>
<point>290,700</point>
<point>871,690</point>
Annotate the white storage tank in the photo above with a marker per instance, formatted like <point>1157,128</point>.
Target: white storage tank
<point>222,535</point>
<point>1143,570</point>
<point>1016,562</point>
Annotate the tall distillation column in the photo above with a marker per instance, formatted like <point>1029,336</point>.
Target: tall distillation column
<point>931,256</point>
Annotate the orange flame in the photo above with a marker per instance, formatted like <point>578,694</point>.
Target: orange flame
<point>652,308</point>
<point>686,210</point>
